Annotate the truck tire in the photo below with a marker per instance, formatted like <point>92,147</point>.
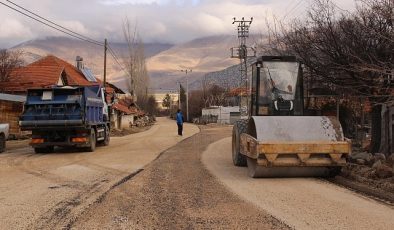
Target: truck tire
<point>92,141</point>
<point>107,136</point>
<point>239,127</point>
<point>106,140</point>
<point>2,142</point>
<point>48,149</point>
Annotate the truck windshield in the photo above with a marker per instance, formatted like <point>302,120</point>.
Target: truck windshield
<point>279,79</point>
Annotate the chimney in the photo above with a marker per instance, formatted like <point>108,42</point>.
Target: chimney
<point>79,62</point>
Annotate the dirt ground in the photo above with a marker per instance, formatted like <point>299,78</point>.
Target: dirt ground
<point>302,203</point>
<point>128,131</point>
<point>362,178</point>
<point>177,192</point>
<point>48,191</point>
<point>158,180</point>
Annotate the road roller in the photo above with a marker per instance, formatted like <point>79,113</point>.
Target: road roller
<point>277,139</point>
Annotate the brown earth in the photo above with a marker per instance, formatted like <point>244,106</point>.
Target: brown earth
<point>363,179</point>
<point>128,131</point>
<point>177,192</point>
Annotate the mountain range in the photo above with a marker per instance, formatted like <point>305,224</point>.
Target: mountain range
<point>164,61</point>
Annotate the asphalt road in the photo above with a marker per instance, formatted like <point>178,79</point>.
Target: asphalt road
<point>48,191</point>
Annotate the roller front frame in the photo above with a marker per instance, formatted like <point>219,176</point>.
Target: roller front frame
<point>286,154</point>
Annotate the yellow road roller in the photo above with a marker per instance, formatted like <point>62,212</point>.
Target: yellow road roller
<point>277,139</point>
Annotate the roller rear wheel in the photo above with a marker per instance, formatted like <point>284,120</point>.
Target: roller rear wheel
<point>239,127</point>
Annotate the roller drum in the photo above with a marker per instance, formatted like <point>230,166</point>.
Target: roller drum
<point>290,129</point>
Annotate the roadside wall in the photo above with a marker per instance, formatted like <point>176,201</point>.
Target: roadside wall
<point>222,113</point>
<point>120,120</point>
<point>9,113</point>
<point>127,121</point>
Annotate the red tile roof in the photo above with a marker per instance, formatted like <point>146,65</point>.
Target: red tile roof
<point>240,91</point>
<point>127,107</point>
<point>121,108</point>
<point>43,73</point>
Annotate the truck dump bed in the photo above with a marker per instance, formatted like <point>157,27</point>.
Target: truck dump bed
<point>62,107</point>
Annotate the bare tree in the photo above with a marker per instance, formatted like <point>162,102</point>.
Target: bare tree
<point>349,53</point>
<point>135,62</point>
<point>9,60</point>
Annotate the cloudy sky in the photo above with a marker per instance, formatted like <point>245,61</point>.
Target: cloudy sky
<point>171,21</point>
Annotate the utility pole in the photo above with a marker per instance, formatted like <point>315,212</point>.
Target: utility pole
<point>179,96</point>
<point>109,112</point>
<point>105,62</point>
<point>241,52</point>
<point>187,93</point>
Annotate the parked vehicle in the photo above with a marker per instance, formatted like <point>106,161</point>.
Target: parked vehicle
<point>4,131</point>
<point>66,116</point>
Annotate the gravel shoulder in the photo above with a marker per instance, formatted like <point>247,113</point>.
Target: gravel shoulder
<point>176,192</point>
<point>302,203</point>
<point>48,191</point>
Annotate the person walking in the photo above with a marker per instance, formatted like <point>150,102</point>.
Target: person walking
<point>179,121</point>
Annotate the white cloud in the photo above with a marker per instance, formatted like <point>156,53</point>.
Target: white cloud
<point>158,20</point>
<point>134,2</point>
<point>11,30</point>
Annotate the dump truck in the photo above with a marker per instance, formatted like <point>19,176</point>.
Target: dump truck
<point>66,116</point>
<point>277,139</point>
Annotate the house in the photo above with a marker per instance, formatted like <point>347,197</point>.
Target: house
<point>45,73</point>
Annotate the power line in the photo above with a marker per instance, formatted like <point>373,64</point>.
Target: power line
<point>296,6</point>
<point>288,6</point>
<point>64,30</point>
<point>78,34</point>
<point>53,27</point>
<point>116,58</point>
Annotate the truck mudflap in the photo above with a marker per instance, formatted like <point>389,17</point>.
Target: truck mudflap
<point>295,153</point>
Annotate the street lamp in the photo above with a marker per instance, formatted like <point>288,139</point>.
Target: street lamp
<point>187,93</point>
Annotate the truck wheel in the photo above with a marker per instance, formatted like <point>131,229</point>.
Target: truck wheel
<point>2,142</point>
<point>239,127</point>
<point>107,136</point>
<point>92,141</point>
<point>48,149</point>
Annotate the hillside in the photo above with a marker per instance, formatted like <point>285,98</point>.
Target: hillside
<point>164,61</point>
<point>202,55</point>
<point>68,49</point>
